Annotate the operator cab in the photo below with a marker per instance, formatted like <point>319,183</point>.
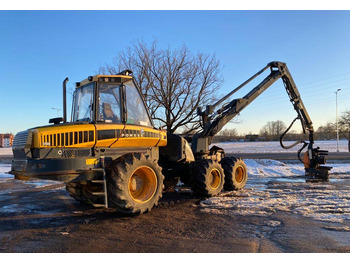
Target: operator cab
<point>112,99</point>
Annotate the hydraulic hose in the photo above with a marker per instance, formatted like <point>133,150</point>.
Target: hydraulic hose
<point>285,132</point>
<point>295,143</point>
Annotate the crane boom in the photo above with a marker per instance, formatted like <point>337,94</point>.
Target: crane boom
<point>214,121</point>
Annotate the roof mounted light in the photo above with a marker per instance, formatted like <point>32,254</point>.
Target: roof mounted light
<point>126,72</point>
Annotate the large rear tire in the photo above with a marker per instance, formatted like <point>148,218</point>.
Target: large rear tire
<point>236,174</point>
<point>134,184</point>
<point>207,178</point>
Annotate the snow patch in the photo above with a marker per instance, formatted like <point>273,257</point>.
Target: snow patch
<point>272,168</point>
<point>274,186</point>
<point>275,147</point>
<point>6,151</point>
<point>4,168</point>
<point>36,183</point>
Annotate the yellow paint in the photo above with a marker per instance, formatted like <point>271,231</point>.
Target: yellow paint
<point>91,161</point>
<point>20,177</point>
<point>143,184</point>
<point>43,136</point>
<point>306,160</point>
<point>40,135</point>
<point>240,173</point>
<point>138,141</point>
<point>214,178</point>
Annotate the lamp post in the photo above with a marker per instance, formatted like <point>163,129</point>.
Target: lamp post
<point>336,116</point>
<point>56,110</point>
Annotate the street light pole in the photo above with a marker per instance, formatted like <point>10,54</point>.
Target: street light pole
<point>336,116</point>
<point>56,110</point>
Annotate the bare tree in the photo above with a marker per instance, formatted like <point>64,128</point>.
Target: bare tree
<point>326,131</point>
<point>272,129</point>
<point>229,133</point>
<point>344,126</point>
<point>173,81</point>
<point>226,135</point>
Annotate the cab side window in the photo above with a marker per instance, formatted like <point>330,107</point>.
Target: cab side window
<point>137,113</point>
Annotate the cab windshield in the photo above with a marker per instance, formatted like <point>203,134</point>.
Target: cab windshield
<point>109,104</point>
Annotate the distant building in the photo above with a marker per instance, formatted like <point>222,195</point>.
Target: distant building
<point>6,140</point>
<point>250,138</point>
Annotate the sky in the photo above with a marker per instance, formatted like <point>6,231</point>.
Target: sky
<point>38,49</point>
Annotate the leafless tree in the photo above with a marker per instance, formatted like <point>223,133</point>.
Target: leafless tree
<point>174,82</point>
<point>326,131</point>
<point>344,126</point>
<point>272,129</point>
<point>229,133</point>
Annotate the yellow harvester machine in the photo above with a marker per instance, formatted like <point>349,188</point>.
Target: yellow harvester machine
<point>111,155</point>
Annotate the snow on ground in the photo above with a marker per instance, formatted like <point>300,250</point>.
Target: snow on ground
<point>318,201</point>
<point>4,168</point>
<point>258,147</point>
<point>275,186</point>
<point>36,183</point>
<point>272,186</point>
<point>275,147</point>
<point>6,151</point>
<point>273,168</point>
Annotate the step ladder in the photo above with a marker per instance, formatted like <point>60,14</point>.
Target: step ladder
<point>104,192</point>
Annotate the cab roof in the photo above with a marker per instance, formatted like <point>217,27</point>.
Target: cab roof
<point>121,77</point>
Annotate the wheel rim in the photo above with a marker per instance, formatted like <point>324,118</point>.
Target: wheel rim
<point>239,174</point>
<point>142,184</point>
<point>214,178</point>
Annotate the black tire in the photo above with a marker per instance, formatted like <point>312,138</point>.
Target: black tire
<point>236,174</point>
<point>82,191</point>
<point>207,178</point>
<point>75,190</point>
<point>134,184</point>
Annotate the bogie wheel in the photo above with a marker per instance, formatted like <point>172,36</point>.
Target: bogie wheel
<point>207,178</point>
<point>134,184</point>
<point>236,174</point>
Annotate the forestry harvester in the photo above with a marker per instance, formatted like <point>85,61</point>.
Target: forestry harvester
<point>110,154</point>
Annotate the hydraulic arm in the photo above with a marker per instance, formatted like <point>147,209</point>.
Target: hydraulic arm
<point>214,121</point>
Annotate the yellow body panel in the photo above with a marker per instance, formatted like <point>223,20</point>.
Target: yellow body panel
<point>100,135</point>
<point>130,136</point>
<point>91,161</point>
<point>64,136</point>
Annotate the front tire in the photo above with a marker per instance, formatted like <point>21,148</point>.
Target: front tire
<point>134,184</point>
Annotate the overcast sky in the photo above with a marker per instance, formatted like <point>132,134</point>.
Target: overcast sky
<point>38,49</point>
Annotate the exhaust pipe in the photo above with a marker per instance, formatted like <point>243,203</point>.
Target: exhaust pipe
<point>65,100</point>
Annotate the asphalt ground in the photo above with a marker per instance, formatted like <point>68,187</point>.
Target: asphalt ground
<point>38,216</point>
